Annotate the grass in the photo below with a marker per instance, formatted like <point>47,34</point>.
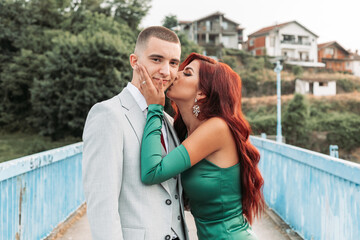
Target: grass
<point>15,145</point>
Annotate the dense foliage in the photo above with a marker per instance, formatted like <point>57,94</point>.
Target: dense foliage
<point>295,121</point>
<point>312,123</point>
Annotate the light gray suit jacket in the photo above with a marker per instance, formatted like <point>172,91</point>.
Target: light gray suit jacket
<point>119,205</point>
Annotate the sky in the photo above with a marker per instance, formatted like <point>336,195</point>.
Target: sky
<point>331,20</point>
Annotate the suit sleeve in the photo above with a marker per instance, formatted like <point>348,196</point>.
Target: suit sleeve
<point>154,168</point>
<point>102,171</point>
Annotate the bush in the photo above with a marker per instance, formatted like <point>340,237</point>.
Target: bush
<point>297,70</point>
<point>188,46</point>
<point>80,71</point>
<point>347,85</point>
<point>295,121</point>
<point>263,124</point>
<point>230,60</point>
<point>343,130</point>
<point>250,82</point>
<point>17,79</point>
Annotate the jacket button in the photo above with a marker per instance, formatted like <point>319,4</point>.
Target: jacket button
<point>176,196</point>
<point>168,201</point>
<point>179,218</point>
<point>167,237</point>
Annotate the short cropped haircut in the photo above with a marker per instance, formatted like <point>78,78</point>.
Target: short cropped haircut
<point>159,32</point>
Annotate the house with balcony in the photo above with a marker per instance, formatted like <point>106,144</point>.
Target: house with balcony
<point>213,32</point>
<point>291,42</point>
<point>334,56</point>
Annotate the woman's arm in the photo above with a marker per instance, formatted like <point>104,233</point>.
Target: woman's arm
<point>208,138</point>
<point>154,168</point>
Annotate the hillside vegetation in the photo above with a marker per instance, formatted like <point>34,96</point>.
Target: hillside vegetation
<point>324,121</point>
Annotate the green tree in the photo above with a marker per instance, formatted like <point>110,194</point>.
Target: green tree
<point>295,121</point>
<point>188,46</point>
<point>17,80</point>
<point>130,11</point>
<point>170,21</point>
<point>80,70</point>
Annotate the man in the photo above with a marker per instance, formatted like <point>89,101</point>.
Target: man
<point>119,205</point>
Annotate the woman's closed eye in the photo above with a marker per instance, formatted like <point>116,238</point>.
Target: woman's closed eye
<point>187,74</point>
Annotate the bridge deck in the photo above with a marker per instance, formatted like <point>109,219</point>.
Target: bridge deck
<point>268,227</point>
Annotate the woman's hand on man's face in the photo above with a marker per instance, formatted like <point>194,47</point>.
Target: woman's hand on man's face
<point>153,92</point>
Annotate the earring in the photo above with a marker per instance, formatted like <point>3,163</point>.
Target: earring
<point>196,109</point>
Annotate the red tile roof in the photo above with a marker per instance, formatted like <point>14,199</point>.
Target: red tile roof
<point>322,45</point>
<point>267,29</point>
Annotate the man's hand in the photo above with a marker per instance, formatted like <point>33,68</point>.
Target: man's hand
<point>154,94</point>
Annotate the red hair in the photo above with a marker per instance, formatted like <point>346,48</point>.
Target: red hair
<point>222,87</point>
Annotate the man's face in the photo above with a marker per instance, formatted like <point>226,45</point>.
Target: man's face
<point>161,59</point>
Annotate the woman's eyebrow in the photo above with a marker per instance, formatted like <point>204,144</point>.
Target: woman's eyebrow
<point>189,68</point>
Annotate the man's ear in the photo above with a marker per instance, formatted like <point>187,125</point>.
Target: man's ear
<point>133,60</point>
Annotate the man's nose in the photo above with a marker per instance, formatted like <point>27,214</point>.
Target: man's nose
<point>165,69</point>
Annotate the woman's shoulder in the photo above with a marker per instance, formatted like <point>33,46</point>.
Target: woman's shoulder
<point>216,123</point>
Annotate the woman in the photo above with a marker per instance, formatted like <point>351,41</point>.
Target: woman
<point>217,162</point>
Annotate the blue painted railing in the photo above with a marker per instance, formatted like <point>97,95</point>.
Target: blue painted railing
<point>39,191</point>
<point>317,195</point>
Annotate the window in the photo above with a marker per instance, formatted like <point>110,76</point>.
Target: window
<point>288,38</point>
<point>251,42</point>
<point>323,84</point>
<point>208,25</point>
<point>225,25</point>
<point>329,51</point>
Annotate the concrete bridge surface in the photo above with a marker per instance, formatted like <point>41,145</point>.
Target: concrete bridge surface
<point>269,227</point>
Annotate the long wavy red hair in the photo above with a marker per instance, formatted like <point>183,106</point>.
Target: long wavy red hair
<point>222,87</point>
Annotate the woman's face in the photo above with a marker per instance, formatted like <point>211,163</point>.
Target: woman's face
<point>186,85</point>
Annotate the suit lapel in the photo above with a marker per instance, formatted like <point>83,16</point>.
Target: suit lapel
<point>136,119</point>
<point>133,113</point>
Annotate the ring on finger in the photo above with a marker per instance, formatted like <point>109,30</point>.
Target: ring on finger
<point>143,82</point>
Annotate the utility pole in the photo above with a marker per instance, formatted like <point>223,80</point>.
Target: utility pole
<point>278,69</point>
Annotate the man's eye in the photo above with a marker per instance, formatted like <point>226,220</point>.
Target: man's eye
<point>156,60</point>
<point>174,63</point>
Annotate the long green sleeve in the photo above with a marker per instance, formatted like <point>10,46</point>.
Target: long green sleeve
<point>154,168</point>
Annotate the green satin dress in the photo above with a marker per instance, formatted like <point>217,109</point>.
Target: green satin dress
<point>214,193</point>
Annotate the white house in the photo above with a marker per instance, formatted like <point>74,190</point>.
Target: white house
<point>290,41</point>
<point>317,87</point>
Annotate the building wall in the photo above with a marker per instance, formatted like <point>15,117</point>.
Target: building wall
<point>213,31</point>
<point>259,44</point>
<point>309,42</point>
<point>328,90</point>
<point>334,57</point>
<point>355,67</point>
<point>336,65</point>
<point>301,87</point>
<point>272,44</point>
